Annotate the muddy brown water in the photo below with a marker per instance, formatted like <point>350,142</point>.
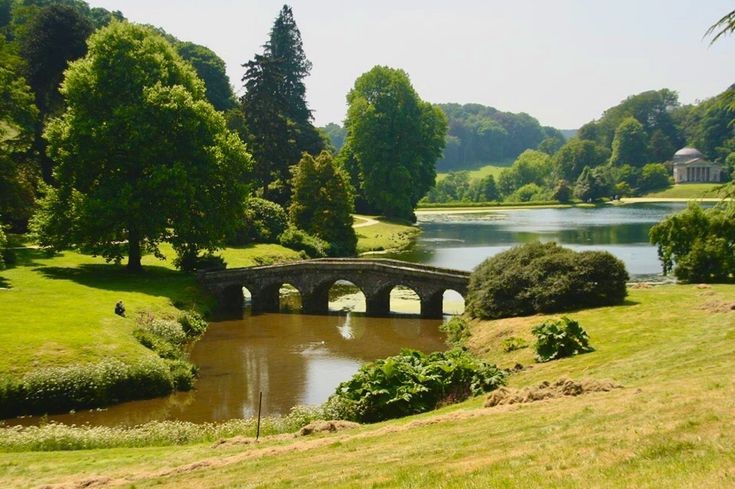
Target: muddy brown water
<point>292,358</point>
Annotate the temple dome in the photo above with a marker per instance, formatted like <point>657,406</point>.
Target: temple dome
<point>688,153</point>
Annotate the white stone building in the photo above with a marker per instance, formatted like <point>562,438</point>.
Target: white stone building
<point>691,166</point>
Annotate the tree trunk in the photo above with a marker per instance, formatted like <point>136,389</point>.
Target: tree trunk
<point>134,252</point>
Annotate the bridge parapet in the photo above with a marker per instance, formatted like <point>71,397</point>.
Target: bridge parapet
<point>313,278</point>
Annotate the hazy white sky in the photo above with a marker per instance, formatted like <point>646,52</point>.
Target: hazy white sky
<point>562,61</point>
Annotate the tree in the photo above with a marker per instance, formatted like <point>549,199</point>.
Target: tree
<point>323,202</point>
<point>571,159</point>
<point>18,117</point>
<point>211,69</point>
<point>630,144</point>
<point>395,138</point>
<point>484,190</point>
<point>592,185</point>
<point>654,176</point>
<point>141,156</point>
<point>697,244</point>
<point>276,114</point>
<point>53,38</point>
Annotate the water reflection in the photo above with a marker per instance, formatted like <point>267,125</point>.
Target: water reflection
<point>292,358</point>
<point>463,241</point>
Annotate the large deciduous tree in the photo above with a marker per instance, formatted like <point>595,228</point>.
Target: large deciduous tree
<point>18,116</point>
<point>571,159</point>
<point>396,138</point>
<point>141,156</point>
<point>277,116</point>
<point>323,202</point>
<point>630,144</point>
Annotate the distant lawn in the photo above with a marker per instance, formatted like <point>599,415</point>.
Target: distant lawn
<point>493,169</point>
<point>386,235</point>
<point>688,191</point>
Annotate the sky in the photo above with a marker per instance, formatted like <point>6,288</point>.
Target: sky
<point>563,62</point>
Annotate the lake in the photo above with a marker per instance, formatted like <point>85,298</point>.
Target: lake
<point>300,359</point>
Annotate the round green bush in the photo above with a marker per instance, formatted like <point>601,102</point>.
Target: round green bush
<point>559,338</point>
<point>537,277</point>
<point>263,222</point>
<point>299,240</point>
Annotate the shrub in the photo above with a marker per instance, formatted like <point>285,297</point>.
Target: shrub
<point>183,374</point>
<point>59,389</point>
<point>698,244</point>
<point>263,222</point>
<point>189,262</point>
<point>192,323</point>
<point>299,240</point>
<point>559,338</point>
<point>546,277</point>
<point>410,383</point>
<point>456,330</point>
<point>514,343</point>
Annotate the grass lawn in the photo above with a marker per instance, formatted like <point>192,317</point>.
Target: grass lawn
<point>670,426</point>
<point>688,191</point>
<point>386,235</point>
<point>59,310</point>
<point>493,169</point>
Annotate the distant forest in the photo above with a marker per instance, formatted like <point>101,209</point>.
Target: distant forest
<point>479,135</point>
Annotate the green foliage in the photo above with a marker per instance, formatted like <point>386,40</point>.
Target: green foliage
<point>457,331</point>
<point>322,203</point>
<point>3,244</point>
<point>395,138</point>
<point>59,389</point>
<point>139,151</point>
<point>562,192</point>
<point>275,110</point>
<point>530,192</point>
<point>559,338</point>
<point>300,240</point>
<point>577,154</point>
<point>630,144</point>
<point>478,135</point>
<point>211,69</point>
<point>18,119</point>
<point>593,184</point>
<point>336,134</point>
<point>698,244</point>
<point>190,261</point>
<point>537,277</point>
<point>192,323</point>
<point>263,222</point>
<point>513,343</point>
<point>531,167</point>
<point>654,176</point>
<point>413,382</point>
<point>55,436</point>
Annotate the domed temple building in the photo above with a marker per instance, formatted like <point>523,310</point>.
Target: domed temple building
<point>691,166</point>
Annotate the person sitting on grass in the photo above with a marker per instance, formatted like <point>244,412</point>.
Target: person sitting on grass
<point>120,309</point>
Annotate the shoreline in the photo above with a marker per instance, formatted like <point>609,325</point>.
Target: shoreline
<point>426,211</point>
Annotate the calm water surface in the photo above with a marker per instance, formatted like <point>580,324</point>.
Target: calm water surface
<point>463,241</point>
<point>295,359</point>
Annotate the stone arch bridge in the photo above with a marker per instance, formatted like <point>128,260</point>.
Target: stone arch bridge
<point>314,278</point>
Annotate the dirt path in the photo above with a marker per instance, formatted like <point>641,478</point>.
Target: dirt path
<point>367,221</point>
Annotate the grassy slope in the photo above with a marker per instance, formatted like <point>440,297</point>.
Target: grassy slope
<point>687,191</point>
<point>671,426</point>
<point>59,310</point>
<point>387,235</point>
<point>493,169</point>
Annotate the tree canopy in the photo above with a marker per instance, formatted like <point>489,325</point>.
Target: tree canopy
<point>323,202</point>
<point>395,138</point>
<point>276,114</point>
<point>211,69</point>
<point>141,156</point>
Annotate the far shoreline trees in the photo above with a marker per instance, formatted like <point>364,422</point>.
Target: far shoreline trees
<point>141,156</point>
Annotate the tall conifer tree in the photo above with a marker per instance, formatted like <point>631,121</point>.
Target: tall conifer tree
<point>277,116</point>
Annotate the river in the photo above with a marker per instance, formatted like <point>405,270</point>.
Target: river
<point>300,359</point>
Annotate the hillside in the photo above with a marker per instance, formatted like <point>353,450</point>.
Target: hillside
<point>669,426</point>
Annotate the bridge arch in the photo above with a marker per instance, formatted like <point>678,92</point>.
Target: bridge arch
<point>314,279</point>
<point>341,288</point>
<point>404,299</point>
<point>453,302</point>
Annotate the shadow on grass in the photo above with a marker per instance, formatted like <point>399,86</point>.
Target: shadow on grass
<point>26,257</point>
<point>180,288</point>
<point>4,283</point>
